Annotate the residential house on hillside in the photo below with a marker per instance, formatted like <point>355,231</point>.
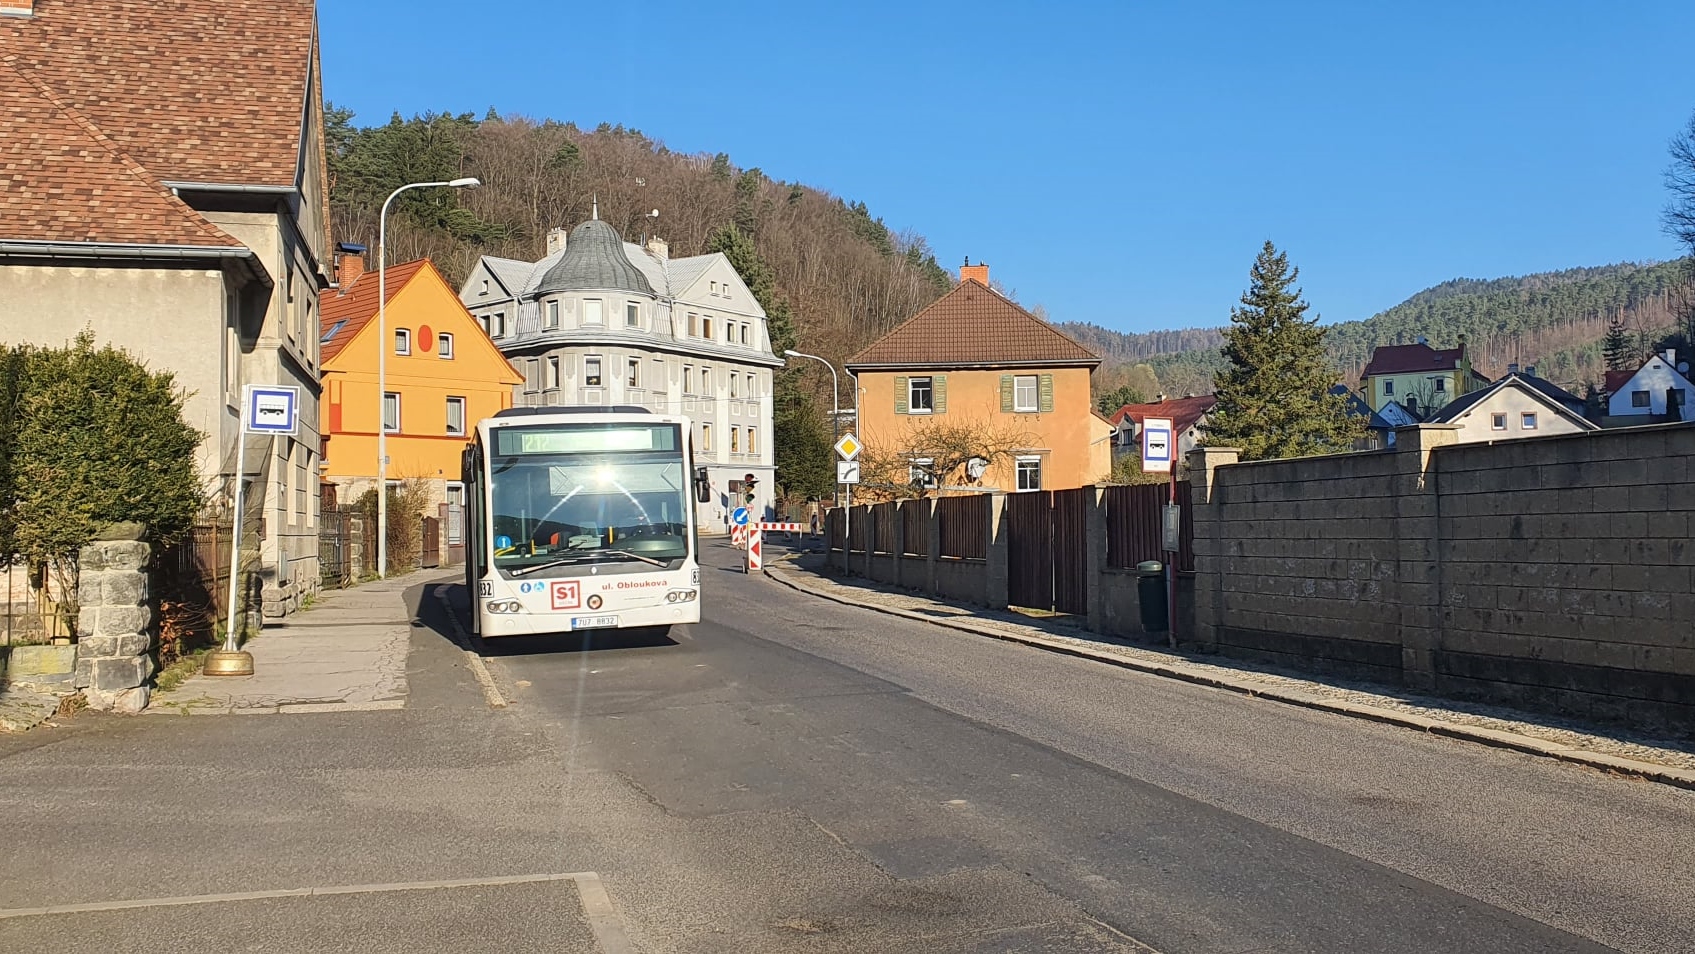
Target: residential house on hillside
<point>1658,392</point>
<point>601,321</point>
<point>1187,416</point>
<point>1418,377</point>
<point>442,375</point>
<point>977,360</point>
<point>1518,405</point>
<point>1379,432</point>
<point>166,189</point>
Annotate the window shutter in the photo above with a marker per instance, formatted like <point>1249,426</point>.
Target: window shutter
<point>1006,394</point>
<point>939,393</point>
<point>1046,388</point>
<point>900,395</point>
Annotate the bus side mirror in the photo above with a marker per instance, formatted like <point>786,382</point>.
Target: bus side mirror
<point>702,486</point>
<point>468,462</point>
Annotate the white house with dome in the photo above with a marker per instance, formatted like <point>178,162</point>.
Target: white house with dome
<point>600,321</point>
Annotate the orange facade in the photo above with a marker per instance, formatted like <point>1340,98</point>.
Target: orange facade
<point>1046,412</point>
<point>443,374</point>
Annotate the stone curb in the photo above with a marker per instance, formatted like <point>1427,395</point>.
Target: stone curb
<point>1663,774</point>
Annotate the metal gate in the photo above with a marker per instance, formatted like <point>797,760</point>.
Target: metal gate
<point>1029,539</point>
<point>335,548</point>
<point>1071,550</point>
<point>429,555</point>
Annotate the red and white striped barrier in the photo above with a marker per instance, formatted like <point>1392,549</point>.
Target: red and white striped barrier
<point>782,527</point>
<point>756,548</point>
<point>738,536</point>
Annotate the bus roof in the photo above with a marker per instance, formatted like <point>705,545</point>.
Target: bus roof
<point>571,409</point>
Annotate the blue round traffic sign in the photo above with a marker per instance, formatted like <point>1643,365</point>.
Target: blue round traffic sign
<point>739,516</point>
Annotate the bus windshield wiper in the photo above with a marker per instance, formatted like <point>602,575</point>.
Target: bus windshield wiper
<point>590,557</point>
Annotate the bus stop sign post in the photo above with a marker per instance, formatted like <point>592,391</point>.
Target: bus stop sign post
<point>1157,457</point>
<point>270,410</point>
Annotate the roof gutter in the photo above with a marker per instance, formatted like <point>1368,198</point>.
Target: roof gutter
<point>178,186</point>
<point>973,366</point>
<point>97,250</point>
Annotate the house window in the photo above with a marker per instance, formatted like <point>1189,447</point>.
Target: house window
<point>752,386</point>
<point>1441,385</point>
<point>920,472</point>
<point>1528,420</point>
<point>1025,396</point>
<point>391,412</point>
<point>733,388</point>
<point>694,325</point>
<point>444,346</point>
<point>753,440</point>
<point>552,372</point>
<point>632,315</point>
<point>552,314</point>
<point>706,381</point>
<point>402,341</point>
<point>1388,388</point>
<point>706,438</point>
<point>735,440</point>
<point>455,416</point>
<point>688,379</point>
<point>1498,422</point>
<point>744,334</point>
<point>1639,399</point>
<point>706,327</point>
<point>592,311</point>
<point>729,332</point>
<point>485,287</point>
<point>634,377</point>
<point>920,398</point>
<point>532,375</point>
<point>591,371</point>
<point>497,325</point>
<point>714,289</point>
<point>1029,473</point>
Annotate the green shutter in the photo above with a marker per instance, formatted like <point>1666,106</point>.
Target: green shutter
<point>900,395</point>
<point>1046,387</point>
<point>939,393</point>
<point>1006,394</point>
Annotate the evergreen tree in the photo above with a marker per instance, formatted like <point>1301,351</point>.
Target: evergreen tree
<point>1274,395</point>
<point>1617,348</point>
<point>1109,402</point>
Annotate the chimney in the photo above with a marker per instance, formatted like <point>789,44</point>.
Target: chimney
<point>17,8</point>
<point>556,240</point>
<point>1531,371</point>
<point>350,262</point>
<point>1159,399</point>
<point>1671,357</point>
<point>1512,368</point>
<point>658,248</point>
<point>978,273</point>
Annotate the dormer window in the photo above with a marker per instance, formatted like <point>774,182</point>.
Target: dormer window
<point>593,311</point>
<point>552,320</point>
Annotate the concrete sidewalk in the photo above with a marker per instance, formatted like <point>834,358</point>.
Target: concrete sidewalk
<point>348,652</point>
<point>1547,736</point>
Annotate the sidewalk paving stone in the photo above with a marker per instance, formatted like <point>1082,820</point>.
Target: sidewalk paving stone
<point>1600,747</point>
<point>348,651</point>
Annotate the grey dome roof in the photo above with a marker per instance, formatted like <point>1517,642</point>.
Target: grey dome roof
<point>594,259</point>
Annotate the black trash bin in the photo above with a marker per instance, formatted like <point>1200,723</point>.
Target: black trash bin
<point>1151,589</point>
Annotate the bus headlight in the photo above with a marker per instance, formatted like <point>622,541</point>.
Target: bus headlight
<point>680,596</point>
<point>503,606</point>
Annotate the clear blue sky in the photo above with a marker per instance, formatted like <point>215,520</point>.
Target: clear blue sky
<point>1115,162</point>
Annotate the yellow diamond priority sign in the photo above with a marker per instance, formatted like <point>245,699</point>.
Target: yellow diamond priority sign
<point>849,447</point>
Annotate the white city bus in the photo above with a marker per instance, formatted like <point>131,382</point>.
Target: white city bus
<point>581,518</point>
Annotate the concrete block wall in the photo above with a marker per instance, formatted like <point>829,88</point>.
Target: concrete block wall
<point>1554,573</point>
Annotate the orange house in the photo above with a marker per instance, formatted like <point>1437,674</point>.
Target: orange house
<point>442,376</point>
<point>976,364</point>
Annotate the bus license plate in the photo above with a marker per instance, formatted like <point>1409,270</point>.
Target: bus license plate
<point>593,622</point>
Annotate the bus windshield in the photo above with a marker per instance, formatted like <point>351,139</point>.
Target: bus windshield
<point>588,493</point>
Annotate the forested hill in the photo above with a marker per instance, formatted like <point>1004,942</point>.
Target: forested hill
<point>845,276</point>
<point>1554,320</point>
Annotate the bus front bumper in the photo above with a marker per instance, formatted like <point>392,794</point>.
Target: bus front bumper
<point>542,624</point>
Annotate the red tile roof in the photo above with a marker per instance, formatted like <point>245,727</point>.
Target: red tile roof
<point>1411,359</point>
<point>972,326</point>
<point>357,305</point>
<point>1182,412</point>
<point>1618,379</point>
<point>194,90</point>
<point>63,180</point>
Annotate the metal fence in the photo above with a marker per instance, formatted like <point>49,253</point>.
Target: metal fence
<point>28,612</point>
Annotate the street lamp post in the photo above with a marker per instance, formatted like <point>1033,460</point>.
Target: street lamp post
<point>382,362</point>
<point>835,414</point>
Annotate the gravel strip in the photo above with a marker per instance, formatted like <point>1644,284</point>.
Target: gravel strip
<point>1567,733</point>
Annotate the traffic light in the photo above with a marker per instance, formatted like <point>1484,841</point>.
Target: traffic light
<point>748,483</point>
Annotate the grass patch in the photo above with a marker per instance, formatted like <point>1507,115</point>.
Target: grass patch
<point>184,666</point>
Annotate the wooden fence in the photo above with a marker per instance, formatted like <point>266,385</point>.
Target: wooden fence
<point>964,526</point>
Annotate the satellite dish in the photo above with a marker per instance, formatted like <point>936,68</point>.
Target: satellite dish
<point>976,467</point>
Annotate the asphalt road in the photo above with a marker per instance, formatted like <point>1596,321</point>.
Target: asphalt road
<point>796,775</point>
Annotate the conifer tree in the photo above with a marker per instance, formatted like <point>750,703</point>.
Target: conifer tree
<point>1617,349</point>
<point>1274,395</point>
